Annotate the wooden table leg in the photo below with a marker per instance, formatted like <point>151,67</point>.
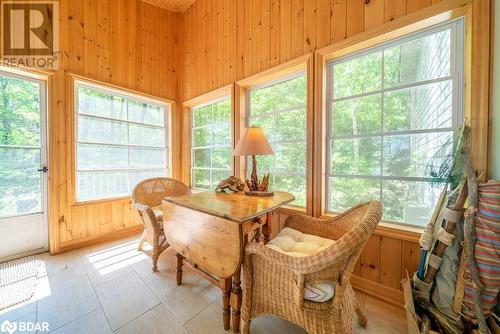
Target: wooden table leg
<point>236,300</point>
<point>178,269</point>
<point>225,285</point>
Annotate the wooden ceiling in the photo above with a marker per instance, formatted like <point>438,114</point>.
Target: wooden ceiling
<point>173,5</point>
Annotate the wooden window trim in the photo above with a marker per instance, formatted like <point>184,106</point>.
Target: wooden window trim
<point>304,64</point>
<point>476,98</point>
<point>70,132</point>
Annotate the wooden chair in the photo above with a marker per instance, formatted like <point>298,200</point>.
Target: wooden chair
<point>147,197</point>
<point>274,282</point>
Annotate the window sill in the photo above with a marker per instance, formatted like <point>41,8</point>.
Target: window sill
<point>392,230</point>
<point>102,200</point>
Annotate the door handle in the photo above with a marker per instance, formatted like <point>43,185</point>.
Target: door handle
<point>43,169</point>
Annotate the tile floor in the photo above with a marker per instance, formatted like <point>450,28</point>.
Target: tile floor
<point>110,288</point>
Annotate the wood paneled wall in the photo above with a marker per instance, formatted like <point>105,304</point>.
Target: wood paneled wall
<point>227,40</point>
<point>127,43</point>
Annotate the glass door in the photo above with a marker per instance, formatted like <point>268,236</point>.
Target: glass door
<point>23,166</point>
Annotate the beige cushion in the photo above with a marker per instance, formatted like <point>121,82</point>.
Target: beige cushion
<point>158,213</point>
<point>295,243</point>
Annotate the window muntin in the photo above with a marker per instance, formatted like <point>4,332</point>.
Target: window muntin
<point>280,109</point>
<point>211,149</point>
<point>390,109</point>
<point>121,140</point>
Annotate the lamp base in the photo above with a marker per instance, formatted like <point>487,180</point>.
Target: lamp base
<point>259,193</point>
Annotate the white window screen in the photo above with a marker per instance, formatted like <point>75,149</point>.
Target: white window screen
<point>120,141</point>
<point>211,153</point>
<point>389,110</point>
<point>280,109</point>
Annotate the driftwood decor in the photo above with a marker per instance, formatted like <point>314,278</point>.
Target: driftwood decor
<point>232,183</point>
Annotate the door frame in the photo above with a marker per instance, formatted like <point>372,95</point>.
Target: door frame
<point>42,79</point>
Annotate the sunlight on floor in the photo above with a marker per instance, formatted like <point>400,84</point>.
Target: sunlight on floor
<point>114,258</point>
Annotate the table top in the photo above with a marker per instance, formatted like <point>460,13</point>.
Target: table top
<point>234,206</point>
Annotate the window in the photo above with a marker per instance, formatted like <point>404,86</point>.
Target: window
<point>121,140</point>
<point>211,149</point>
<point>280,109</point>
<point>389,110</point>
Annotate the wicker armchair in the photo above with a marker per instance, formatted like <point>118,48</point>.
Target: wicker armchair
<point>274,282</point>
<point>146,198</point>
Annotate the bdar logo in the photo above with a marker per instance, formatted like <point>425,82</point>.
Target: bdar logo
<point>8,327</point>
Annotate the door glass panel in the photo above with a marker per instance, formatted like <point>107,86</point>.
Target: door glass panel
<point>20,147</point>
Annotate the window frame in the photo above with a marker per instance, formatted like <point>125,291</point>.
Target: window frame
<point>457,69</point>
<point>304,64</point>
<point>76,83</point>
<point>211,147</point>
<point>187,125</point>
<point>248,102</point>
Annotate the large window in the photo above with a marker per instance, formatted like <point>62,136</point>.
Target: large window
<point>280,109</point>
<point>390,109</point>
<point>211,155</point>
<point>120,140</point>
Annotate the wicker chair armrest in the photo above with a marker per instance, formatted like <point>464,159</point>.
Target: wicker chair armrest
<point>324,228</point>
<point>299,265</point>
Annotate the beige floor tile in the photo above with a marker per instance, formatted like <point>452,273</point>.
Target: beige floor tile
<point>105,263</point>
<point>62,267</point>
<point>208,321</point>
<point>184,301</point>
<point>94,322</point>
<point>159,320</point>
<point>18,311</point>
<point>59,303</point>
<point>125,298</point>
<point>382,318</point>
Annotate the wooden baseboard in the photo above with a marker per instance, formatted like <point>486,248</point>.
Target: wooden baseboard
<point>88,241</point>
<point>379,291</point>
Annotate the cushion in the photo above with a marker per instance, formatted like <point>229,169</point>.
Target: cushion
<point>295,243</point>
<point>158,213</point>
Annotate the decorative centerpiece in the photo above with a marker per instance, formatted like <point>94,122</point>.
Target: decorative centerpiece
<point>232,183</point>
<point>254,142</point>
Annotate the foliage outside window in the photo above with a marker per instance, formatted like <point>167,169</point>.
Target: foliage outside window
<point>280,109</point>
<point>121,140</point>
<point>389,110</point>
<point>20,146</point>
<point>211,158</point>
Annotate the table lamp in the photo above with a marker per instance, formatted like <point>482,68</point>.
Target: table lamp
<point>254,142</point>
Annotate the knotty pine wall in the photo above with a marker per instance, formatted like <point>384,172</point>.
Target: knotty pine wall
<point>127,43</point>
<point>226,40</point>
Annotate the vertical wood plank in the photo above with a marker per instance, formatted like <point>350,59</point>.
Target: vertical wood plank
<point>297,46</point>
<point>355,17</point>
<point>286,30</point>
<point>374,14</point>
<point>411,258</point>
<point>414,5</point>
<point>370,259</point>
<point>310,13</point>
<point>394,9</point>
<point>338,22</point>
<point>390,262</point>
<point>323,28</point>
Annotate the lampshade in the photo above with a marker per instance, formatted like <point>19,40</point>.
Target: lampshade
<point>253,142</point>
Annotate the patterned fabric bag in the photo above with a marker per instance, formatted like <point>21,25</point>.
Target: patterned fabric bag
<point>487,249</point>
